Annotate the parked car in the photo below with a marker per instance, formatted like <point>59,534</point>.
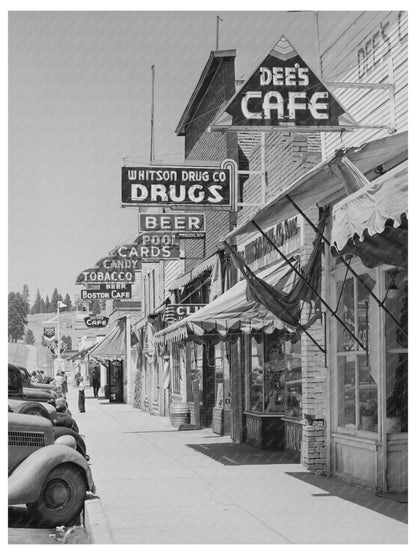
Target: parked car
<point>28,383</point>
<point>18,391</point>
<point>45,473</point>
<point>31,401</point>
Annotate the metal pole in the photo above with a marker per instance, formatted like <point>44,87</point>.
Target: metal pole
<point>217,41</point>
<point>347,264</point>
<point>57,308</point>
<point>152,114</point>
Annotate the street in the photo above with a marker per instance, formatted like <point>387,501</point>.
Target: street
<point>157,485</point>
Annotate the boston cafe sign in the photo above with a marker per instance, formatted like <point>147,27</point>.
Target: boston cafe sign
<point>161,186</point>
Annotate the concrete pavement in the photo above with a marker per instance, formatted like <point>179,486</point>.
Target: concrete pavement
<point>156,485</point>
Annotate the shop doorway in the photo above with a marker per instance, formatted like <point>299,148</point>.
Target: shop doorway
<point>115,381</point>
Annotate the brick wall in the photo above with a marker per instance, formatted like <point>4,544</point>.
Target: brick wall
<point>314,374</point>
<point>215,146</point>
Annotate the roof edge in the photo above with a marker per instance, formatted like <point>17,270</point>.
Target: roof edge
<point>214,56</point>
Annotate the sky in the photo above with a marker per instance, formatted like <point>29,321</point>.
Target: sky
<point>79,103</point>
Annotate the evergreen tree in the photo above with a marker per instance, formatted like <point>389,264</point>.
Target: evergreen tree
<point>18,310</point>
<point>95,307</point>
<point>36,308</point>
<point>67,341</point>
<point>25,294</point>
<point>48,304</point>
<point>42,307</point>
<point>68,301</point>
<point>29,337</point>
<point>54,300</point>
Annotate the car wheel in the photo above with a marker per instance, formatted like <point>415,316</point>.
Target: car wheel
<point>31,407</point>
<point>61,498</point>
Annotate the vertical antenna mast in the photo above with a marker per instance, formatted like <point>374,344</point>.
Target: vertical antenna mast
<point>152,116</point>
<point>217,41</point>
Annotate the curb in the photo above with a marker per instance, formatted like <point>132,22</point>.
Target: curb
<point>96,522</point>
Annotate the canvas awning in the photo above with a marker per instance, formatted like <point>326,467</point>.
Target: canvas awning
<point>329,181</point>
<point>113,346</point>
<point>368,209</point>
<point>231,311</point>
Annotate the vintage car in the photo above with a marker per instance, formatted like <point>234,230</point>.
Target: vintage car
<point>27,383</point>
<point>30,401</point>
<point>46,474</point>
<point>17,390</point>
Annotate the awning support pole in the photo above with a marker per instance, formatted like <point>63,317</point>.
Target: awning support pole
<point>334,314</point>
<point>347,264</point>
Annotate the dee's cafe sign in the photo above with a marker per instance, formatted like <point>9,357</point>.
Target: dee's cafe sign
<point>283,92</point>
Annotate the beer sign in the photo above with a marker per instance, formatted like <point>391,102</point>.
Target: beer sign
<point>164,186</point>
<point>283,92</point>
<point>173,222</point>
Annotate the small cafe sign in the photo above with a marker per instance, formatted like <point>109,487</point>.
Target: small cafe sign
<point>96,321</point>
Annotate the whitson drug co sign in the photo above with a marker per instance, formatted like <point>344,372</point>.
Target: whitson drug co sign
<point>187,186</point>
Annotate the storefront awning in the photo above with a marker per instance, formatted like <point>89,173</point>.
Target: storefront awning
<point>329,181</point>
<point>113,346</point>
<point>231,311</point>
<point>369,208</point>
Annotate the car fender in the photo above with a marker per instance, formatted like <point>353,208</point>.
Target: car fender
<point>25,483</point>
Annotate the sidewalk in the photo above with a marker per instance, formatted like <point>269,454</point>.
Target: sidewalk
<point>156,485</point>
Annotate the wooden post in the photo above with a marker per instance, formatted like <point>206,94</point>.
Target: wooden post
<point>195,390</point>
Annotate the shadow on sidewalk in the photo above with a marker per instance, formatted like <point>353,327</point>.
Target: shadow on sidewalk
<point>232,454</point>
<point>360,496</point>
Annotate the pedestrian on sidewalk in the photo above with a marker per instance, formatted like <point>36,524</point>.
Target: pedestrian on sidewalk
<point>81,395</point>
<point>64,384</point>
<point>95,382</point>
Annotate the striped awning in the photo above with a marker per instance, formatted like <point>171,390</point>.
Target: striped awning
<point>368,209</point>
<point>113,346</point>
<point>231,311</point>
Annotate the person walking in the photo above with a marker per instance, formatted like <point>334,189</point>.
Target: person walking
<point>64,384</point>
<point>95,382</point>
<point>57,382</point>
<point>81,395</point>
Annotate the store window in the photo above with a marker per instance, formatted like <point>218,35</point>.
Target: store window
<point>357,385</point>
<point>396,351</point>
<point>176,369</point>
<point>274,383</point>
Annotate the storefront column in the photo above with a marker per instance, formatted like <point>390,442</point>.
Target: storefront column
<point>314,375</point>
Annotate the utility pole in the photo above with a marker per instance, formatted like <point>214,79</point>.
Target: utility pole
<point>217,41</point>
<point>152,116</point>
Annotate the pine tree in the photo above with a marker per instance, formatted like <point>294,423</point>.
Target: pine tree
<point>36,308</point>
<point>68,301</point>
<point>18,310</point>
<point>54,300</point>
<point>95,307</point>
<point>42,307</point>
<point>25,294</point>
<point>29,337</point>
<point>48,304</point>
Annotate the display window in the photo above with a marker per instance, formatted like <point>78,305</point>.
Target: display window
<point>396,351</point>
<point>274,381</point>
<point>357,381</point>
